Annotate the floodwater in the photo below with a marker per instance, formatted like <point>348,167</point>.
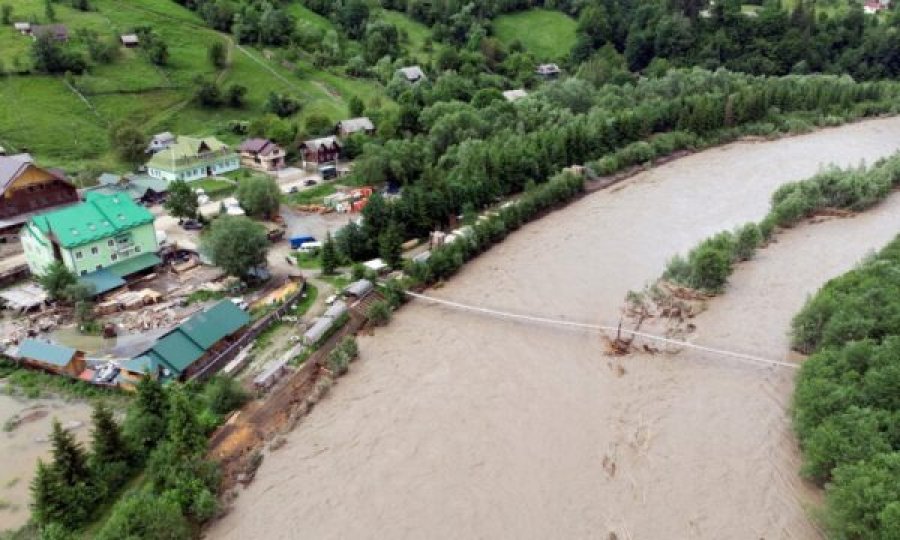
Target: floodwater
<point>456,425</point>
<point>25,438</point>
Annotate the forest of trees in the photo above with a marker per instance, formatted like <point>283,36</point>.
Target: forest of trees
<point>457,155</point>
<point>846,403</point>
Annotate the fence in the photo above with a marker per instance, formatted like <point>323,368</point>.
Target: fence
<point>219,360</point>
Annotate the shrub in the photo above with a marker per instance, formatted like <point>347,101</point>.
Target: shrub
<point>379,313</point>
<point>747,239</point>
<point>338,361</point>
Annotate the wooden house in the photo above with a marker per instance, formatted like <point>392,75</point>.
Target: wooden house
<point>351,126</point>
<point>51,358</point>
<point>262,155</point>
<point>322,150</point>
<point>26,189</point>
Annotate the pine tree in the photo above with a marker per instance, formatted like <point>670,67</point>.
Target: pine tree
<point>48,503</point>
<point>69,457</point>
<point>49,11</point>
<point>329,256</point>
<point>108,445</point>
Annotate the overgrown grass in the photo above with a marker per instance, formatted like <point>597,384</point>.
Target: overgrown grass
<point>548,34</point>
<point>214,187</point>
<point>308,261</point>
<point>312,195</point>
<point>35,384</point>
<point>312,292</point>
<point>204,296</point>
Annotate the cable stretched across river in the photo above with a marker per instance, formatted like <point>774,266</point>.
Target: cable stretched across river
<point>602,328</point>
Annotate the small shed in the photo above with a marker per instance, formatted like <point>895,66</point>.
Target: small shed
<point>359,289</point>
<point>58,32</point>
<point>348,127</point>
<point>376,265</point>
<point>515,95</point>
<point>53,358</point>
<point>412,74</point>
<point>548,71</point>
<point>23,28</point>
<point>129,40</point>
<point>317,331</point>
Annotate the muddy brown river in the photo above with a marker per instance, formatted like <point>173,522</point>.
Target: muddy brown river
<point>457,425</point>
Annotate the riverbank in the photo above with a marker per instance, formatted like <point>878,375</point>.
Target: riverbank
<point>454,425</point>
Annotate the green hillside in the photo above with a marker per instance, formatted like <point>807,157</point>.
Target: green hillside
<point>47,116</point>
<point>548,34</point>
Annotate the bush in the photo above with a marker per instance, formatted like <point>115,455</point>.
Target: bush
<point>223,394</point>
<point>145,515</point>
<point>379,313</point>
<point>338,361</point>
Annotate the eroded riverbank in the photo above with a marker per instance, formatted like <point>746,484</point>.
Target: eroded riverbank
<point>455,425</point>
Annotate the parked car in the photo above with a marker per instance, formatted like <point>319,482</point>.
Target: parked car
<point>191,225</point>
<point>310,182</point>
<point>107,373</point>
<point>294,189</point>
<point>328,172</point>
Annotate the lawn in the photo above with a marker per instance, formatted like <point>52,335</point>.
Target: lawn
<point>213,187</point>
<point>550,35</point>
<point>308,261</point>
<point>417,33</point>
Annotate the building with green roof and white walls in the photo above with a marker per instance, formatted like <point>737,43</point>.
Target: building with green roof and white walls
<point>192,159</point>
<point>103,240</point>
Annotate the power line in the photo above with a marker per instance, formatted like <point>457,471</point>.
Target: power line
<point>602,328</point>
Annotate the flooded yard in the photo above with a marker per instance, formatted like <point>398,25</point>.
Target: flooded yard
<point>455,425</point>
<point>26,426</point>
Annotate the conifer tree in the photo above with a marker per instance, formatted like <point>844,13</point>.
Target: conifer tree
<point>329,256</point>
<point>48,503</point>
<point>107,444</point>
<point>69,457</point>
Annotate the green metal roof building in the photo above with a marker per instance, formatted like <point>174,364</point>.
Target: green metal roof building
<point>102,240</point>
<point>181,348</point>
<point>192,159</point>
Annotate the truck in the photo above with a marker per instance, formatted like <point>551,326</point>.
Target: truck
<point>300,239</point>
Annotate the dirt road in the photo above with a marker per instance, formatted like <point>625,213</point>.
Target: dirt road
<point>461,426</point>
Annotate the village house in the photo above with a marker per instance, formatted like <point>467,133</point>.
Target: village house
<point>318,151</point>
<point>26,189</point>
<point>192,159</point>
<point>514,95</point>
<point>160,142</point>
<point>188,347</point>
<point>548,71</point>
<point>363,125</point>
<point>103,240</point>
<point>262,155</point>
<point>141,188</point>
<point>412,74</point>
<point>129,41</point>
<point>51,358</point>
<point>58,32</point>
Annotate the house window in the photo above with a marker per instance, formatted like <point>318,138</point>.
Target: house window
<point>78,254</point>
<point>113,257</point>
<point>99,267</point>
<point>137,249</point>
<point>83,272</point>
<point>94,250</point>
<point>110,242</point>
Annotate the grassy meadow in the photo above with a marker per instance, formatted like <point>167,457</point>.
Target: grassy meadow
<point>45,116</point>
<point>547,34</point>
